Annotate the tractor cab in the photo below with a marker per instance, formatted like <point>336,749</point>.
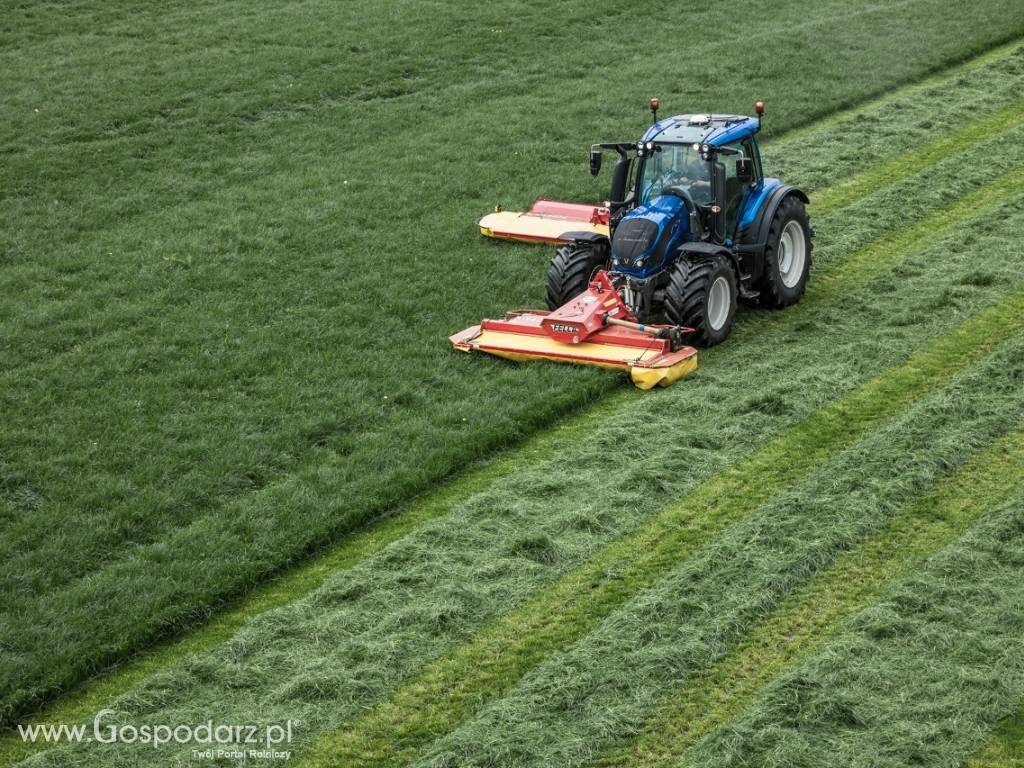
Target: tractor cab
<point>712,162</point>
<point>689,204</point>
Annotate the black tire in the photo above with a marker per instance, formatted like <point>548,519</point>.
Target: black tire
<point>689,292</point>
<point>571,270</point>
<point>780,288</point>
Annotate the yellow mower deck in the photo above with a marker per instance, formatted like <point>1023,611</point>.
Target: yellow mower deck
<point>519,337</point>
<point>547,221</point>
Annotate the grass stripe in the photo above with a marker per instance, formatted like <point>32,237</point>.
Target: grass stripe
<point>592,696</point>
<point>986,197</point>
<point>298,582</point>
<point>816,611</point>
<point>1006,748</point>
<point>882,102</point>
<point>919,677</point>
<point>455,686</point>
<point>918,159</point>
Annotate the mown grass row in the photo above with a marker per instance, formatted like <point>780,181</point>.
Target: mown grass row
<point>303,579</point>
<point>813,613</point>
<point>918,678</point>
<point>883,253</point>
<point>597,691</point>
<point>189,279</point>
<point>974,132</point>
<point>450,690</point>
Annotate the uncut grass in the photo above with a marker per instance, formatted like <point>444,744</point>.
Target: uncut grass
<point>919,678</point>
<point>981,88</point>
<point>817,610</point>
<point>373,626</point>
<point>231,109</point>
<point>566,709</point>
<point>187,285</point>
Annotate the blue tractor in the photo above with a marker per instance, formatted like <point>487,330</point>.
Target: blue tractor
<point>695,227</point>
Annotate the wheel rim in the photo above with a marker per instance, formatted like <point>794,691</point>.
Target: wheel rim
<point>718,303</point>
<point>792,254</point>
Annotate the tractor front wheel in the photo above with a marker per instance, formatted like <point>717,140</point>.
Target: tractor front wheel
<point>787,255</point>
<point>571,270</point>
<point>702,295</point>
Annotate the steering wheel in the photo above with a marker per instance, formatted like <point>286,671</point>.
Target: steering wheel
<point>696,224</point>
<point>683,193</point>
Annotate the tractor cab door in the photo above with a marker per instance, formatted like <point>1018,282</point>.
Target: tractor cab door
<point>737,191</point>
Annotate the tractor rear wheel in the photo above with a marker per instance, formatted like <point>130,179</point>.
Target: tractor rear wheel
<point>787,255</point>
<point>702,295</point>
<point>571,270</point>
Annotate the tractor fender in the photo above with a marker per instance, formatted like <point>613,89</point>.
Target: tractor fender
<point>701,250</point>
<point>585,237</point>
<point>751,249</point>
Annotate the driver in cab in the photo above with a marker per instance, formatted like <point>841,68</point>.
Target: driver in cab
<point>693,176</point>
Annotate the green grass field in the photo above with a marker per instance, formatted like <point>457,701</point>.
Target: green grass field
<point>242,476</point>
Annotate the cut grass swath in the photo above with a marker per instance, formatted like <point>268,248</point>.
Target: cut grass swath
<point>585,697</point>
<point>94,695</point>
<point>916,90</point>
<point>447,691</point>
<point>816,611</point>
<point>911,162</point>
<point>919,677</point>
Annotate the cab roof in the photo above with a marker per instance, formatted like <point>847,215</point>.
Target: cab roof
<point>715,130</point>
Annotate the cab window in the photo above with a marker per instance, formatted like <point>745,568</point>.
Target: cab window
<point>736,192</point>
<point>676,165</point>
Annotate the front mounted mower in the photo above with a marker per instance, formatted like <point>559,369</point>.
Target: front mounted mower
<point>694,226</point>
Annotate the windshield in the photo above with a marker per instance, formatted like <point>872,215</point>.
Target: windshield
<point>676,165</point>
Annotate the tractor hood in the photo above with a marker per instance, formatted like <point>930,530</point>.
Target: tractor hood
<point>647,234</point>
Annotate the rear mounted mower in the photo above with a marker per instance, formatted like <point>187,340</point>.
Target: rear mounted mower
<point>692,227</point>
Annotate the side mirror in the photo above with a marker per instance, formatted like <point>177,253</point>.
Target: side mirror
<point>745,170</point>
<point>595,162</point>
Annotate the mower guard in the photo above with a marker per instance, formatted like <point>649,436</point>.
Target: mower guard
<point>547,221</point>
<point>582,331</point>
